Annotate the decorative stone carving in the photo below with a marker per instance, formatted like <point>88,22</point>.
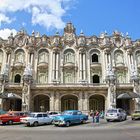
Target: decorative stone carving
<point>20,39</point>
<point>81,40</point>
<point>117,39</point>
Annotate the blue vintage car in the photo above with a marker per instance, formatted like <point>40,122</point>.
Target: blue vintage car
<point>70,117</point>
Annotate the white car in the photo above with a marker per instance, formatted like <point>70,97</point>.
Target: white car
<point>36,119</point>
<point>53,114</point>
<point>116,114</point>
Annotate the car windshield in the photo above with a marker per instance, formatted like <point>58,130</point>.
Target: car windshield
<point>67,113</point>
<point>112,111</point>
<point>137,112</point>
<point>31,115</point>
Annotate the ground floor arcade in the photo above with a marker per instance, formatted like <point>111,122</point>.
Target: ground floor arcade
<point>67,100</point>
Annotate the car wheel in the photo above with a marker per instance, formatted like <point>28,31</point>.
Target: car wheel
<point>108,120</point>
<point>67,124</point>
<point>28,124</point>
<point>35,123</point>
<point>10,122</point>
<point>83,121</point>
<point>133,118</point>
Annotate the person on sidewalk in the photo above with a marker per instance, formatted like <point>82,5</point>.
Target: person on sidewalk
<point>97,116</point>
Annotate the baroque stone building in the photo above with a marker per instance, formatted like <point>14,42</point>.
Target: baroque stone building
<point>56,73</point>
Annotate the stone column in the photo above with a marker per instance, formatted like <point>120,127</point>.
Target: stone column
<point>52,102</point>
<point>57,102</point>
<point>84,66</point>
<point>53,67</point>
<point>80,101</point>
<point>57,66</point>
<point>85,107</point>
<point>80,66</point>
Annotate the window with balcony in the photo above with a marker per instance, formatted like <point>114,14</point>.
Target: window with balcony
<point>119,58</point>
<point>19,56</point>
<point>69,56</point>
<point>43,57</point>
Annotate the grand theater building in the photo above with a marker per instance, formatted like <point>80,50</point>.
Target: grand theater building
<point>69,71</point>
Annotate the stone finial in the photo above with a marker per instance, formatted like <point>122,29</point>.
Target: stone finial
<point>69,28</point>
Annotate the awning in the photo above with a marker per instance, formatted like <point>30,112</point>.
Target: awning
<point>9,96</point>
<point>128,95</point>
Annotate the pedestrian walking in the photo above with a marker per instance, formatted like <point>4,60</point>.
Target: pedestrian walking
<point>97,116</point>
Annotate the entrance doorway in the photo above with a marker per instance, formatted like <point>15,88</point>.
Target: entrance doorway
<point>41,103</point>
<point>97,102</point>
<point>69,102</point>
<point>124,104</point>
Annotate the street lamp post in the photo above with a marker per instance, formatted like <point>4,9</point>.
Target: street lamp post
<point>27,80</point>
<point>4,78</point>
<point>134,77</point>
<point>111,80</point>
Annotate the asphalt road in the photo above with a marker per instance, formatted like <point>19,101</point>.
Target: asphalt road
<point>126,130</point>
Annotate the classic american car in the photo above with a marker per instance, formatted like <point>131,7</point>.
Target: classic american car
<point>70,117</point>
<point>12,117</point>
<point>136,115</point>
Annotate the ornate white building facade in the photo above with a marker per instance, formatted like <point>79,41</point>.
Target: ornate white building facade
<point>56,73</point>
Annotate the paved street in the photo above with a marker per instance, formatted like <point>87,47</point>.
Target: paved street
<point>127,130</point>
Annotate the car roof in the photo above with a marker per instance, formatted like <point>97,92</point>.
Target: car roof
<point>71,110</point>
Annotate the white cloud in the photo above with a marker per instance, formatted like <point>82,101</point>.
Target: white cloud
<point>48,13</point>
<point>5,33</point>
<point>4,18</point>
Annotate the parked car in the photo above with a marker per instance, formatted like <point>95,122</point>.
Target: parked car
<point>116,114</point>
<point>70,117</point>
<point>53,114</point>
<point>135,115</point>
<point>12,117</point>
<point>35,119</point>
<point>2,112</point>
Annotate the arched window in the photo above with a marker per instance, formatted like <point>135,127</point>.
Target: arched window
<point>43,56</point>
<point>119,57</point>
<point>95,58</point>
<point>17,78</point>
<point>69,56</point>
<point>19,56</point>
<point>96,79</point>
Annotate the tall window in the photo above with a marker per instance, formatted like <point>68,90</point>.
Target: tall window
<point>95,58</point>
<point>43,57</point>
<point>96,79</point>
<point>119,57</point>
<point>19,56</point>
<point>69,56</point>
<point>17,78</point>
<point>1,56</point>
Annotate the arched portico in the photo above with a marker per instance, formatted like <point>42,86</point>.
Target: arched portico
<point>97,102</point>
<point>41,103</point>
<point>69,102</point>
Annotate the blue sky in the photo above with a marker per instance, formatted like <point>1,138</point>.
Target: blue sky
<point>90,16</point>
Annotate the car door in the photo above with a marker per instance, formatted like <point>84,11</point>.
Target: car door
<point>46,118</point>
<point>76,118</point>
<point>40,118</point>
